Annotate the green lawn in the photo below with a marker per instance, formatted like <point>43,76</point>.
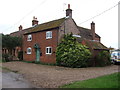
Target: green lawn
<point>107,81</point>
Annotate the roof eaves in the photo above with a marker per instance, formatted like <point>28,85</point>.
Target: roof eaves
<point>40,30</point>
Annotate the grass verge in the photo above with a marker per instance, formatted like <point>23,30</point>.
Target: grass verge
<point>107,81</point>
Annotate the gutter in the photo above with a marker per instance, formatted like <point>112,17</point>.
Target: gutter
<point>41,30</point>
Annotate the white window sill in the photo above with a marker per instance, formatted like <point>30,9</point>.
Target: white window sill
<point>28,53</point>
<point>48,53</point>
<point>49,38</point>
<point>29,40</point>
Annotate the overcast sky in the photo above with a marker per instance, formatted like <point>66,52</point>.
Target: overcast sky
<point>20,12</point>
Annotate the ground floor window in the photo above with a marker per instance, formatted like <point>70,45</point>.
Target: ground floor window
<point>29,50</point>
<point>48,50</point>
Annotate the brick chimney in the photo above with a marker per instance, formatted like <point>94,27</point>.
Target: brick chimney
<point>34,21</point>
<point>20,27</point>
<point>93,30</point>
<point>69,11</point>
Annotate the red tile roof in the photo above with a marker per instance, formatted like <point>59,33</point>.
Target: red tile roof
<point>92,44</point>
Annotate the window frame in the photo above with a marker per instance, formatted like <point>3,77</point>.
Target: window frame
<point>48,52</point>
<point>30,50</point>
<point>28,37</point>
<point>48,34</point>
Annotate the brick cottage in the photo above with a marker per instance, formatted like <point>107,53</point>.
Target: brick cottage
<point>41,40</point>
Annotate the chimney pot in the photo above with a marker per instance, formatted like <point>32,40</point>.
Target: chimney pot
<point>34,21</point>
<point>93,23</point>
<point>68,6</point>
<point>69,11</point>
<point>20,27</point>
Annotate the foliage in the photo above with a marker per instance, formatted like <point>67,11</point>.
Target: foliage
<point>70,53</point>
<point>10,42</point>
<point>107,81</point>
<point>6,57</point>
<point>103,58</point>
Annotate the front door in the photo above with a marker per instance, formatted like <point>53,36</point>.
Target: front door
<point>38,55</point>
<point>37,51</point>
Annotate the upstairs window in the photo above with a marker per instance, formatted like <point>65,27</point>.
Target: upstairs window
<point>29,38</point>
<point>48,34</point>
<point>29,50</point>
<point>48,50</point>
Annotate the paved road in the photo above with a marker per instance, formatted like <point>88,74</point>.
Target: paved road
<point>14,80</point>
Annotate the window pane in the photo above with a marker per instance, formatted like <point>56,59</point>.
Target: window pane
<point>29,37</point>
<point>50,50</point>
<point>29,50</point>
<point>48,34</point>
<point>46,50</point>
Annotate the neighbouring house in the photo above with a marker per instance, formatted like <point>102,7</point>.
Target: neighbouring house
<point>19,33</point>
<point>41,40</point>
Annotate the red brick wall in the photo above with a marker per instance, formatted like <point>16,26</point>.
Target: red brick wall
<point>40,38</point>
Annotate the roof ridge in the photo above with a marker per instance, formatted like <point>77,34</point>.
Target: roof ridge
<point>47,25</point>
<point>51,21</point>
<point>20,30</point>
<point>84,28</point>
<point>32,27</point>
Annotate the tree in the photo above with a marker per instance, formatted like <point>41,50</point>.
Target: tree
<point>70,53</point>
<point>10,42</point>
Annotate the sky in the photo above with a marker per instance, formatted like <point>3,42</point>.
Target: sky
<point>20,12</point>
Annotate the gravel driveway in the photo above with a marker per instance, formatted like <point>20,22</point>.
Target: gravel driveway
<point>53,76</point>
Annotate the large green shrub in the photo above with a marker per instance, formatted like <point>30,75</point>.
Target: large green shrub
<point>70,53</point>
<point>103,58</point>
